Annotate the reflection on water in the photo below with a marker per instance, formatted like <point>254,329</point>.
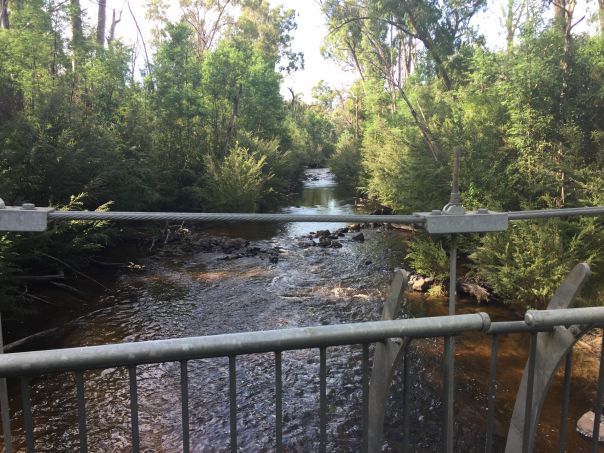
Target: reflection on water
<point>320,195</point>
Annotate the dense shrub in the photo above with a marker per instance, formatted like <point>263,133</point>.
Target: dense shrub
<point>236,184</point>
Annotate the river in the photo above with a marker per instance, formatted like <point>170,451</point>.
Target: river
<point>201,293</point>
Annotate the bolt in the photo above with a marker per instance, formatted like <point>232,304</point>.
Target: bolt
<point>28,206</point>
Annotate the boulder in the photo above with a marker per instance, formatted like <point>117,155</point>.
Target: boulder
<point>307,243</point>
<point>229,245</point>
<point>359,237</point>
<point>418,283</point>
<point>384,210</point>
<point>323,233</point>
<point>585,426</point>
<point>324,242</point>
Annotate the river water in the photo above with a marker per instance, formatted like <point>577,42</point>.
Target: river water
<point>204,294</point>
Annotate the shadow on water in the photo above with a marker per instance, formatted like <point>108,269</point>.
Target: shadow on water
<point>201,294</point>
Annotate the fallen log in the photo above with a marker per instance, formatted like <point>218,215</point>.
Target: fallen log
<point>38,278</point>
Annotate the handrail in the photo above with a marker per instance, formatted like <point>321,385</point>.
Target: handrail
<point>154,351</point>
<point>231,217</point>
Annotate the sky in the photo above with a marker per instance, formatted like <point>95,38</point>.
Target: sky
<point>310,33</point>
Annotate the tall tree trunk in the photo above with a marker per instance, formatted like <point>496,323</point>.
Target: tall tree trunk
<point>75,15</point>
<point>566,23</point>
<point>77,41</point>
<point>230,133</point>
<point>102,18</point>
<point>4,22</point>
<point>114,21</point>
<point>77,35</point>
<point>601,12</point>
<point>509,24</point>
<point>559,7</point>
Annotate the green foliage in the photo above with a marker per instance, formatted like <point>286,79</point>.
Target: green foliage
<point>283,168</point>
<point>527,263</point>
<point>236,184</point>
<point>346,161</point>
<point>400,172</point>
<point>528,121</point>
<point>428,257</point>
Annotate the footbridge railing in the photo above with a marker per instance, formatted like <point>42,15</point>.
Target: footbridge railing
<point>25,366</point>
<point>553,333</point>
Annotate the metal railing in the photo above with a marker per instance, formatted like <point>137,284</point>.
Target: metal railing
<point>27,365</point>
<point>452,220</point>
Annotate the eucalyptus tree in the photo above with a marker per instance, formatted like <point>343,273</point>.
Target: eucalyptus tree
<point>4,16</point>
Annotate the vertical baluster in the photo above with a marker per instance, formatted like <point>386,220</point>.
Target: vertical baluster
<point>5,408</point>
<point>79,378</point>
<point>449,397</point>
<point>134,409</point>
<point>278,401</point>
<point>491,395</point>
<point>568,370</point>
<point>323,400</point>
<point>27,416</point>
<point>184,397</point>
<point>365,397</point>
<point>526,435</point>
<point>4,405</point>
<point>598,407</point>
<point>406,385</point>
<point>233,401</point>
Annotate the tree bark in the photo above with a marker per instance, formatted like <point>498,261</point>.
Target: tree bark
<point>114,21</point>
<point>77,36</point>
<point>566,23</point>
<point>102,18</point>
<point>559,7</point>
<point>75,15</point>
<point>232,123</point>
<point>601,13</point>
<point>4,21</point>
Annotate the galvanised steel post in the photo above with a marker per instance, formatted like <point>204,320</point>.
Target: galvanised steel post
<point>4,406</point>
<point>449,371</point>
<point>454,207</point>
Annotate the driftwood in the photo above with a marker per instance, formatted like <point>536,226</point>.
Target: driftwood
<point>479,293</point>
<point>110,264</point>
<point>69,289</point>
<point>38,278</point>
<point>29,296</point>
<point>77,272</point>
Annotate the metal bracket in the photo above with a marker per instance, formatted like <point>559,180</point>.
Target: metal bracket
<point>481,221</point>
<point>551,349</point>
<point>386,357</point>
<point>24,218</point>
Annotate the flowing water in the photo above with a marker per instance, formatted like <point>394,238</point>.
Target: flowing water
<point>204,294</point>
